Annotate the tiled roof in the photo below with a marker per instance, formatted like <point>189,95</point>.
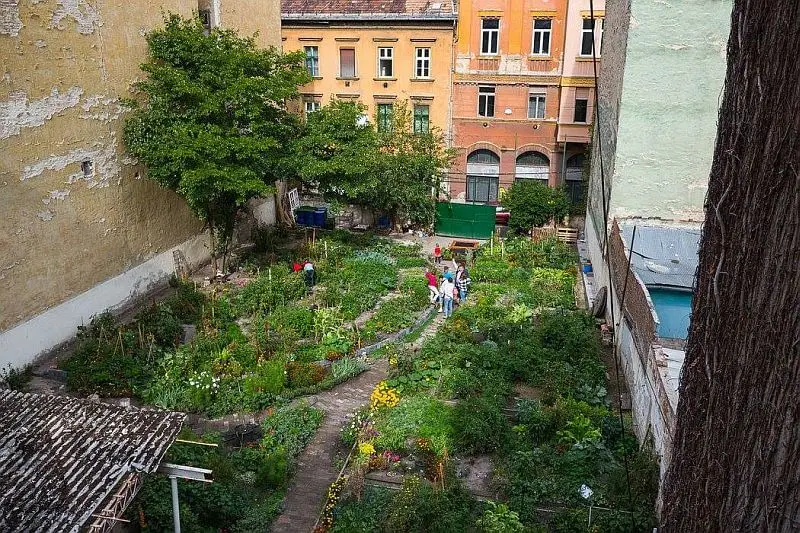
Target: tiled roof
<point>357,8</point>
<point>663,255</point>
<point>60,458</point>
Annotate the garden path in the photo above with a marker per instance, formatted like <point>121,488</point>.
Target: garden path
<point>315,467</point>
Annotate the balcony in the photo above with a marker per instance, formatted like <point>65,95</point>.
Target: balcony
<point>573,133</point>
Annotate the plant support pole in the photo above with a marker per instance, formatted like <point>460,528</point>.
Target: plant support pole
<point>176,511</point>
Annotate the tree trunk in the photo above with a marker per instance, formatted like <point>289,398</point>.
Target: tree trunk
<point>736,452</point>
<point>281,209</point>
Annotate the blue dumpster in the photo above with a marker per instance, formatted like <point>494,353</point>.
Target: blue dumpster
<point>319,216</point>
<point>304,215</point>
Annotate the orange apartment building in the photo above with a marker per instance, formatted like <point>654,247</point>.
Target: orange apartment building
<point>523,94</point>
<point>378,52</point>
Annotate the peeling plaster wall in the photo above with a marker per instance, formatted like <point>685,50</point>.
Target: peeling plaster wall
<point>66,230</point>
<point>674,72</point>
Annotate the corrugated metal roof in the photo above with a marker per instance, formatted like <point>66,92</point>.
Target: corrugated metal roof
<point>309,9</point>
<point>61,457</point>
<point>663,255</point>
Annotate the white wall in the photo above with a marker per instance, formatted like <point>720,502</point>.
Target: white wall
<point>24,343</point>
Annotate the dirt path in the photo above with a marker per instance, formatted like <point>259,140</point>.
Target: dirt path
<point>315,468</point>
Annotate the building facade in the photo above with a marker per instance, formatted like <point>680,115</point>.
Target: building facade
<point>653,148</point>
<point>377,53</point>
<point>80,229</point>
<point>523,94</point>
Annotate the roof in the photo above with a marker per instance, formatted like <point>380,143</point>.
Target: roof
<point>367,9</point>
<point>663,255</point>
<point>61,457</point>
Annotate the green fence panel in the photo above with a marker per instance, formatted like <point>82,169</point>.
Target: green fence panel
<point>469,221</point>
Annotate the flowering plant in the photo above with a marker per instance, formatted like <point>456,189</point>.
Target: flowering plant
<point>383,396</point>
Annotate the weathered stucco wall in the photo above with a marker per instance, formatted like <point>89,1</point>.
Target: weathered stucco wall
<point>674,72</point>
<point>64,65</point>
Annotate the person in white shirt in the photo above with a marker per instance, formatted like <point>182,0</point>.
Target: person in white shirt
<point>447,290</point>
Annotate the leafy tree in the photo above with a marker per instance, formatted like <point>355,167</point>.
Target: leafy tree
<point>337,153</point>
<point>410,167</point>
<point>533,204</point>
<point>212,124</point>
<point>396,171</point>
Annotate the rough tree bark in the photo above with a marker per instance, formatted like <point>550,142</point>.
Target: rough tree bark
<point>736,457</point>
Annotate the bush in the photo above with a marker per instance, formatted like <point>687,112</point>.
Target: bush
<point>419,507</point>
<point>268,378</point>
<point>533,204</point>
<point>291,428</point>
<point>480,426</point>
<point>263,294</point>
<point>418,416</point>
<point>303,374</point>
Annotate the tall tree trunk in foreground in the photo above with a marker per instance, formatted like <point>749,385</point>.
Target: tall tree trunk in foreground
<point>736,456</point>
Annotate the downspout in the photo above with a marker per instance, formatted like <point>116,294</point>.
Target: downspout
<point>450,133</point>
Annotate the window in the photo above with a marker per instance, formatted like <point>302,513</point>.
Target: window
<point>87,168</point>
<point>587,37</point>
<point>574,178</point>
<point>483,176</point>
<point>532,166</point>
<point>205,19</point>
<point>486,101</point>
<point>312,60</point>
<point>385,117</point>
<point>385,67</point>
<point>347,63</point>
<point>536,104</point>
<point>312,106</point>
<point>421,119</point>
<point>422,68</point>
<point>490,36</point>
<point>581,108</point>
<point>541,37</point>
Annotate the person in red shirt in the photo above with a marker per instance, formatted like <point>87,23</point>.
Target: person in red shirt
<point>437,254</point>
<point>432,286</point>
<point>297,267</point>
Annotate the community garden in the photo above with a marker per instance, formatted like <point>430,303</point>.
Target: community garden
<point>262,339</point>
<point>516,378</point>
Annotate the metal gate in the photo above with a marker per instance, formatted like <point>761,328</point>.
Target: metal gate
<point>465,220</point>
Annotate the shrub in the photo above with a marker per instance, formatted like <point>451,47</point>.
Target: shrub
<point>418,416</point>
<point>263,294</point>
<point>532,204</point>
<point>303,374</point>
<point>291,427</point>
<point>480,425</point>
<point>186,302</point>
<point>268,378</point>
<point>498,518</point>
<point>419,507</point>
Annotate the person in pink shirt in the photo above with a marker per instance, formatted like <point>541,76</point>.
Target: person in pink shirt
<point>432,286</point>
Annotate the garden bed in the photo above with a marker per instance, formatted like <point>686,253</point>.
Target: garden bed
<point>514,379</point>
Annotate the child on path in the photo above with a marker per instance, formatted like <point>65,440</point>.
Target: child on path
<point>432,287</point>
<point>447,292</point>
<point>308,272</point>
<point>437,254</point>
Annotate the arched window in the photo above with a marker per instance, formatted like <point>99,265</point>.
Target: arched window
<point>573,180</point>
<point>483,176</point>
<point>533,165</point>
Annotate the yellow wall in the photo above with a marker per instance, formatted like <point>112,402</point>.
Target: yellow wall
<point>434,92</point>
<point>62,73</point>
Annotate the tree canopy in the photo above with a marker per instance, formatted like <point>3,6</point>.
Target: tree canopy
<point>397,171</point>
<point>533,204</point>
<point>211,123</point>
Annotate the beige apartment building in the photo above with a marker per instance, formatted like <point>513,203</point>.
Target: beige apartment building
<point>376,53</point>
<point>80,229</point>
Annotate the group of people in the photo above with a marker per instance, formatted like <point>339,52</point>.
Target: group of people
<point>448,288</point>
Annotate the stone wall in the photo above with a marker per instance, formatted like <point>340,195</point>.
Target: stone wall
<point>75,210</point>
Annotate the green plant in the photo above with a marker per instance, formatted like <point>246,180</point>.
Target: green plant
<point>532,204</point>
<point>211,124</point>
<point>416,416</point>
<point>16,378</point>
<point>480,425</point>
<point>579,433</point>
<point>498,518</point>
<point>419,507</point>
<point>346,368</point>
<point>303,374</point>
<point>268,378</point>
<point>291,428</point>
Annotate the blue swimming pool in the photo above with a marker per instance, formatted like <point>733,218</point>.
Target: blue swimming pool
<point>673,309</point>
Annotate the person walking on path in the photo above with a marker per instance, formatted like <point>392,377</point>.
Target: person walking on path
<point>437,254</point>
<point>309,274</point>
<point>432,287</point>
<point>448,292</point>
<point>462,282</point>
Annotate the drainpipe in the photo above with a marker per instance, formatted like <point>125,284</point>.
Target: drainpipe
<point>450,133</point>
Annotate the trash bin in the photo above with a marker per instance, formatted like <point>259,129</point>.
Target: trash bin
<point>304,215</point>
<point>319,216</point>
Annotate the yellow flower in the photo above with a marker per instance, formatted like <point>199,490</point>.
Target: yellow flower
<point>366,448</point>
